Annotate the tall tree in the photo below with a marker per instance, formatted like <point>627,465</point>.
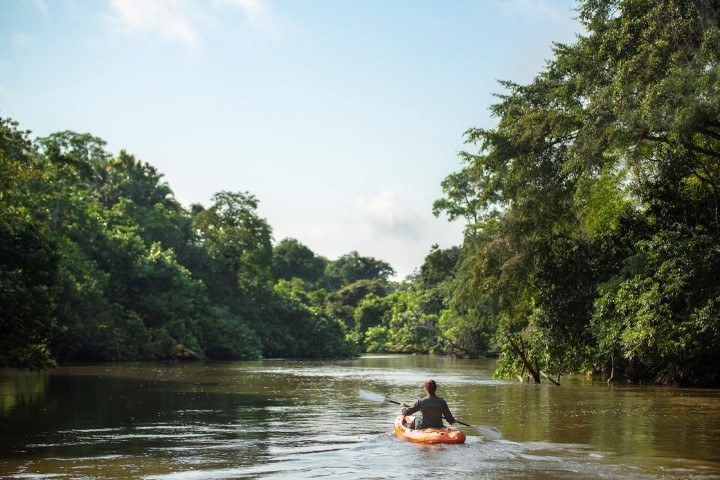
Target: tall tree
<point>612,148</point>
<point>292,259</point>
<point>239,240</point>
<point>352,267</point>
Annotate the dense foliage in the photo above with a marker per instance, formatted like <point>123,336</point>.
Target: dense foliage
<point>99,262</point>
<point>593,236</point>
<point>592,240</point>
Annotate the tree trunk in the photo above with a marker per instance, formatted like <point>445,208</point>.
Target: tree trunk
<point>547,377</point>
<point>612,369</point>
<point>520,352</point>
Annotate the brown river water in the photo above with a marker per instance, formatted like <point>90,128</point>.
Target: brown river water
<point>306,419</point>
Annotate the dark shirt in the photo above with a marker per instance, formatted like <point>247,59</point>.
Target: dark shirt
<point>433,409</point>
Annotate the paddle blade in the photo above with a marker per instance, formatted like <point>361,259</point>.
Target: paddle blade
<point>488,432</point>
<point>373,397</point>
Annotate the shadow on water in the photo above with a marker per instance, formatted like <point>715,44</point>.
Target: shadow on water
<point>305,419</point>
<point>78,415</point>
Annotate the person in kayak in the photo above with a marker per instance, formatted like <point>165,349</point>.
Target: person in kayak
<point>432,407</point>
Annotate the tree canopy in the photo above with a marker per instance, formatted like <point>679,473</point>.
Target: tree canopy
<point>100,262</point>
<point>599,192</point>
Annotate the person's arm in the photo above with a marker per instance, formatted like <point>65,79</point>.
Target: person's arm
<point>447,414</point>
<point>410,410</point>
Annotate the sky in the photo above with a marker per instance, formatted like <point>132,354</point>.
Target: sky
<point>341,116</point>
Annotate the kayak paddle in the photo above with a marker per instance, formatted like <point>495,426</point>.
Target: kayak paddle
<point>376,397</point>
<point>489,432</point>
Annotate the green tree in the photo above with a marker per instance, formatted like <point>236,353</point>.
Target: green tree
<point>439,266</point>
<point>101,263</point>
<point>238,241</point>
<point>352,267</point>
<point>28,286</point>
<point>16,166</point>
<point>28,259</point>
<point>292,259</point>
<point>372,310</point>
<point>657,318</point>
<point>298,328</point>
<point>469,193</point>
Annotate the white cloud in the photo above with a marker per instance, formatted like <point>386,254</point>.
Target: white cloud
<point>258,13</point>
<point>41,5</point>
<point>178,19</point>
<point>324,230</point>
<point>166,18</point>
<point>382,226</point>
<point>384,213</point>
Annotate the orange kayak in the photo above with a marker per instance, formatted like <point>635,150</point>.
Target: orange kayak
<point>426,435</point>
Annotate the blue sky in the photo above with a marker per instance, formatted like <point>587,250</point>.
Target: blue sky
<point>341,116</point>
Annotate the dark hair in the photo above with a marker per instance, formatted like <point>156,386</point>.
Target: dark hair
<point>430,386</point>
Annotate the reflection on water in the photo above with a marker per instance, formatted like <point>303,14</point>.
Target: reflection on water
<point>20,389</point>
<point>301,419</point>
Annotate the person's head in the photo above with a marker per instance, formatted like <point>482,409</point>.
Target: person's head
<point>430,387</point>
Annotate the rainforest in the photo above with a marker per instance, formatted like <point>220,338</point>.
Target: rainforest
<point>591,244</point>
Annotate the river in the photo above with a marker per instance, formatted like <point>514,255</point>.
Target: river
<point>306,419</point>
